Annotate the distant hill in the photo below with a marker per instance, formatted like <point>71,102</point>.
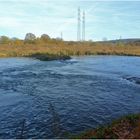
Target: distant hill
<point>130,40</point>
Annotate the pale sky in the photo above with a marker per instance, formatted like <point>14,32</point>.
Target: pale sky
<point>110,19</point>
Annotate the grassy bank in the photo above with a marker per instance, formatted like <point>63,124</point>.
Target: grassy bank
<point>49,57</point>
<point>127,127</point>
<point>58,48</point>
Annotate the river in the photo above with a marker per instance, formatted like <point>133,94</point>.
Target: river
<point>48,99</point>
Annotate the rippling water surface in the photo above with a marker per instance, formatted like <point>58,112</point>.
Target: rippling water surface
<point>45,99</point>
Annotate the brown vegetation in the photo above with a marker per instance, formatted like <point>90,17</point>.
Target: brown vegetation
<point>127,127</point>
<point>21,48</point>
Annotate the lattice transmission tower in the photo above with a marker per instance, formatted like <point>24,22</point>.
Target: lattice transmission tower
<point>79,25</point>
<point>83,27</point>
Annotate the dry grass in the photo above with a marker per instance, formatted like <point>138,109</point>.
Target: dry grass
<point>127,127</point>
<point>21,48</point>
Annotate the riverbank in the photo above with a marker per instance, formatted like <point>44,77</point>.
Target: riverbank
<point>62,48</point>
<point>127,127</point>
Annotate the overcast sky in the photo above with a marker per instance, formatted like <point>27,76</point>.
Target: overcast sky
<point>110,19</point>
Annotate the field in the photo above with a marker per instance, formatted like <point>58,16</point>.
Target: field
<point>21,48</point>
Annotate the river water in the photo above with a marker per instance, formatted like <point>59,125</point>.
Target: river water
<point>49,99</point>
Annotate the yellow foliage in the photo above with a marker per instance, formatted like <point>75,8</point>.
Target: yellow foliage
<point>21,48</point>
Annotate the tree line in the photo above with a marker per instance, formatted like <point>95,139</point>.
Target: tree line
<point>29,38</point>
